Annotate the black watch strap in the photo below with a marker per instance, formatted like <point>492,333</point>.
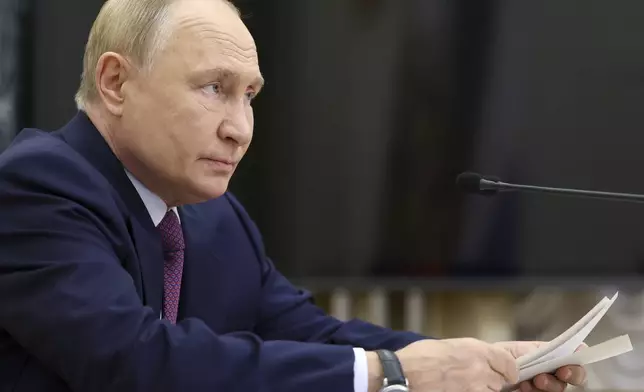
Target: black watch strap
<point>391,368</point>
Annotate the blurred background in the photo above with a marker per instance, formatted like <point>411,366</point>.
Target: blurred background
<point>370,111</point>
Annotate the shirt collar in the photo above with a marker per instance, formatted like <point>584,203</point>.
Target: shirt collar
<point>154,204</point>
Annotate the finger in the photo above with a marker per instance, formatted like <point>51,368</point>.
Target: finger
<point>535,389</point>
<point>527,386</point>
<point>502,362</point>
<point>574,375</point>
<point>496,384</point>
<point>549,383</point>
<point>519,349</point>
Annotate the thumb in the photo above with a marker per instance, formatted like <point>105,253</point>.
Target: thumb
<point>519,349</point>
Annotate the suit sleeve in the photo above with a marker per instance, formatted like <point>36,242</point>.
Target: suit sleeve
<point>65,298</point>
<point>287,312</point>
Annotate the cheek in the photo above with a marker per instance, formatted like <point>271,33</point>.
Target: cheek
<point>179,127</point>
<point>251,117</point>
<point>199,131</point>
<point>156,113</point>
<point>205,103</point>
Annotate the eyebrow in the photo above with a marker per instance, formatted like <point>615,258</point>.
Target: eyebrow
<point>227,73</point>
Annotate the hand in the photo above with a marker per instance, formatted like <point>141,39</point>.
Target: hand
<point>457,365</point>
<point>573,375</point>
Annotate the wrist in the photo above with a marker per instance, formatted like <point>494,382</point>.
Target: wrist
<point>374,368</point>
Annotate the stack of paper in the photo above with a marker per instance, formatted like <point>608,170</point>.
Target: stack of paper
<point>563,350</point>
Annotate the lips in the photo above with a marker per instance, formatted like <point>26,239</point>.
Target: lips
<point>221,165</point>
<point>224,161</point>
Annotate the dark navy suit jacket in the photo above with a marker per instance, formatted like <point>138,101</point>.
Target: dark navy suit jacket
<point>81,284</point>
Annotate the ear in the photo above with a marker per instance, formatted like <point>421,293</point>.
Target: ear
<point>112,72</point>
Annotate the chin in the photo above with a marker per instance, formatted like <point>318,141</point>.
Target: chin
<point>210,189</point>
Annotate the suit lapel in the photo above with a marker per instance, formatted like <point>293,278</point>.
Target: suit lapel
<point>191,257</point>
<point>199,270</point>
<point>83,136</point>
<point>148,247</point>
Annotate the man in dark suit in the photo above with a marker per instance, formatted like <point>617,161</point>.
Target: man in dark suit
<point>126,266</point>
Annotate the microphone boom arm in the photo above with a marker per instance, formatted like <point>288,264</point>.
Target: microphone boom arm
<point>486,184</point>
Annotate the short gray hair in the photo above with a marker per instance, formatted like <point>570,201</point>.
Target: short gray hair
<point>133,28</point>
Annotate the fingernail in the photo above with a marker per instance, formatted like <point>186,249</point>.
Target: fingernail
<point>566,375</point>
<point>545,382</point>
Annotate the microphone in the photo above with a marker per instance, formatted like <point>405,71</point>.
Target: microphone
<point>475,183</point>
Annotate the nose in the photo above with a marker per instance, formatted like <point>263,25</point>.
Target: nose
<point>237,125</point>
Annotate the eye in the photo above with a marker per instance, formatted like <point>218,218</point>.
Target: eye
<point>250,95</point>
<point>213,89</point>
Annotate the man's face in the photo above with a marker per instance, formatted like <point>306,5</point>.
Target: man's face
<point>188,122</point>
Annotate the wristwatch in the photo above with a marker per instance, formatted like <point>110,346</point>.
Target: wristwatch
<point>395,380</point>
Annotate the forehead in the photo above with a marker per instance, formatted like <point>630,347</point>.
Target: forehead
<point>210,34</point>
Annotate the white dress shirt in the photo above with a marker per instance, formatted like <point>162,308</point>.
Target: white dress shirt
<point>157,209</point>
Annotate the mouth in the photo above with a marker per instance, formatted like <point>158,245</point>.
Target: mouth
<point>219,164</point>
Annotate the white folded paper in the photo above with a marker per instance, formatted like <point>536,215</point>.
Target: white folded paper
<point>599,352</point>
<point>562,350</point>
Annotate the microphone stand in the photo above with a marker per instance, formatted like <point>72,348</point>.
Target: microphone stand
<point>492,185</point>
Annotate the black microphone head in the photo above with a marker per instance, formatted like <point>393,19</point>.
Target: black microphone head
<point>470,182</point>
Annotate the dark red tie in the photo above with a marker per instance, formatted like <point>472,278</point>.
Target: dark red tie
<point>173,246</point>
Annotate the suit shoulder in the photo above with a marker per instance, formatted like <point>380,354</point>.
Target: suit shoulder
<point>35,145</point>
<point>43,161</point>
<point>228,211</point>
<point>230,198</point>
<point>226,206</point>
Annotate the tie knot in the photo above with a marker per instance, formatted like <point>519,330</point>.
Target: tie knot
<point>171,233</point>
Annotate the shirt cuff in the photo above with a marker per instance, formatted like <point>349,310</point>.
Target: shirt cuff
<point>360,371</point>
